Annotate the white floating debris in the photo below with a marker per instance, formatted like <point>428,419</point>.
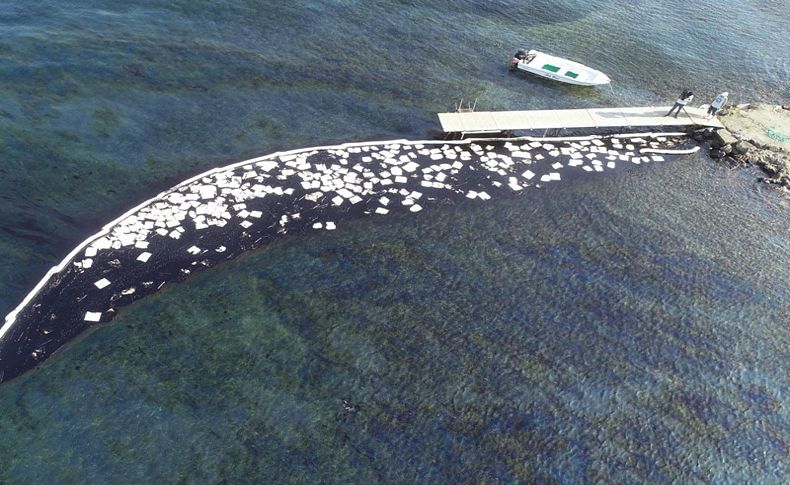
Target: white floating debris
<point>144,257</point>
<point>207,191</point>
<point>102,283</point>
<point>92,316</point>
<point>267,165</point>
<point>411,166</point>
<point>102,243</point>
<point>345,193</point>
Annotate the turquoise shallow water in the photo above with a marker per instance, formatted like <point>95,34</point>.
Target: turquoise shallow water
<point>630,327</point>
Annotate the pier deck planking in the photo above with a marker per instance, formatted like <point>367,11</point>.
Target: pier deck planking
<point>495,121</point>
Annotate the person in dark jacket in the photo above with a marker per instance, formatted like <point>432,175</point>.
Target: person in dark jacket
<point>685,97</point>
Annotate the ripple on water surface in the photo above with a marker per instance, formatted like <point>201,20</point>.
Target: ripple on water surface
<point>594,329</point>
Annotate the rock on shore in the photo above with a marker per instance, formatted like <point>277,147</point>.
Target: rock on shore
<point>758,134</point>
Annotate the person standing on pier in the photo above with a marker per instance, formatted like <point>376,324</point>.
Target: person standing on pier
<point>685,97</point>
<point>718,104</point>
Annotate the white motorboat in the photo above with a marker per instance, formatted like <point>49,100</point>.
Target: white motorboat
<point>557,68</point>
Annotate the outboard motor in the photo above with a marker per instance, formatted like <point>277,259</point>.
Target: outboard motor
<point>520,55</point>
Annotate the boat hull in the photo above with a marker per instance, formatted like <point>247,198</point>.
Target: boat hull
<point>555,77</point>
<point>558,69</point>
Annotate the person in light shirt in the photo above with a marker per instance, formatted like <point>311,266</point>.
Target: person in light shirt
<point>718,104</point>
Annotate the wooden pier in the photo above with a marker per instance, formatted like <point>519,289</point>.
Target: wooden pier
<point>564,119</point>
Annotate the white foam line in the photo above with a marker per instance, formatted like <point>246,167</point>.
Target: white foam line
<point>669,152</point>
<point>11,317</point>
<point>649,135</point>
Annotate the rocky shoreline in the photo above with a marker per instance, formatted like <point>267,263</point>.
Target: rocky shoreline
<point>756,134</point>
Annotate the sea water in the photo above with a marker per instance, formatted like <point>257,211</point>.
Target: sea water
<point>626,327</point>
